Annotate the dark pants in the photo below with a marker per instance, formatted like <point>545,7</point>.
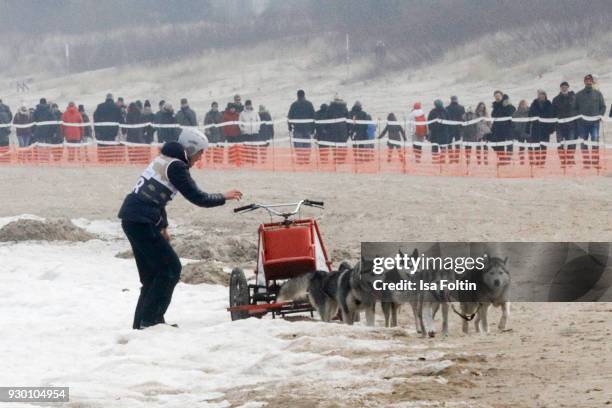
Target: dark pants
<point>159,269</point>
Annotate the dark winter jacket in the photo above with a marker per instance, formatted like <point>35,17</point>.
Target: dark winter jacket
<point>396,132</point>
<point>134,117</point>
<point>86,129</point>
<point>564,105</point>
<point>23,119</point>
<point>541,131</point>
<point>338,132</point>
<point>149,131</point>
<point>214,134</point>
<point>186,117</point>
<point>136,208</point>
<point>107,111</point>
<point>43,133</point>
<point>301,109</point>
<point>438,132</point>
<point>502,131</point>
<point>266,132</point>
<point>590,102</point>
<point>455,112</point>
<point>5,117</point>
<point>322,129</point>
<point>167,134</point>
<point>359,131</point>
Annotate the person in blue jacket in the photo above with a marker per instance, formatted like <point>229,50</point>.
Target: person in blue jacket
<point>144,221</point>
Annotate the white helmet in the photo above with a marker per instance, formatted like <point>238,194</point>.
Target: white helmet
<point>193,141</point>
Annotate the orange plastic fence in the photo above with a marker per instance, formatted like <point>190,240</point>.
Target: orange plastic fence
<point>464,161</point>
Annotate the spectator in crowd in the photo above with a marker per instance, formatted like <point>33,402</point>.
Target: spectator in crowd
<point>148,117</point>
<point>438,132</point>
<point>266,132</point>
<point>521,129</point>
<point>396,139</point>
<point>24,134</point>
<point>186,116</point>
<point>87,128</point>
<point>213,117</point>
<point>455,112</point>
<point>483,133</point>
<point>322,134</point>
<point>72,134</point>
<point>501,131</point>
<point>249,128</point>
<point>469,133</point>
<point>417,131</point>
<point>134,117</point>
<point>166,117</point>
<point>160,108</point>
<point>540,131</point>
<point>564,106</point>
<point>589,102</point>
<point>338,131</point>
<point>123,108</point>
<point>359,132</point>
<point>231,133</point>
<point>42,113</point>
<point>238,103</point>
<point>107,111</point>
<point>57,137</point>
<point>301,109</point>
<point>6,116</point>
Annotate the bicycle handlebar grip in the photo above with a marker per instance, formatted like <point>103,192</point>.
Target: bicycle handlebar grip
<point>314,202</point>
<point>244,207</point>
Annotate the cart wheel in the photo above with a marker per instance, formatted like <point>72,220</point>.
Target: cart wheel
<point>239,293</point>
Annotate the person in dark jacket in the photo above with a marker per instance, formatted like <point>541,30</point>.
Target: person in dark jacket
<point>56,137</point>
<point>501,131</point>
<point>148,117</point>
<point>359,133</point>
<point>214,133</point>
<point>438,132</point>
<point>540,131</point>
<point>322,134</point>
<point>238,104</point>
<point>166,117</point>
<point>24,134</point>
<point>86,129</point>
<point>455,112</point>
<point>521,129</point>
<point>6,116</point>
<point>108,111</point>
<point>144,221</point>
<point>396,139</point>
<point>42,113</point>
<point>338,131</point>
<point>186,116</point>
<point>266,132</point>
<point>589,102</point>
<point>134,117</point>
<point>301,109</point>
<point>564,106</point>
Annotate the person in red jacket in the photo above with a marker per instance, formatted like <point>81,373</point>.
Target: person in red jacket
<point>232,133</point>
<point>72,134</point>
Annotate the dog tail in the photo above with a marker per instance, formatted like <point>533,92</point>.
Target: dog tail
<point>295,288</point>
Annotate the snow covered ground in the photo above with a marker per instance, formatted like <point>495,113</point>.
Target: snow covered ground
<point>67,310</point>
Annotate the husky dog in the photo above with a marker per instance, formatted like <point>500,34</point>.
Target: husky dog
<point>349,289</point>
<point>493,284</point>
<point>319,287</point>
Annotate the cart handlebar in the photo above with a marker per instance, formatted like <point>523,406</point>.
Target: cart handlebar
<point>271,208</point>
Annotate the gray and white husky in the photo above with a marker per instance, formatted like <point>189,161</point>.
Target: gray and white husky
<point>493,287</point>
<point>349,289</point>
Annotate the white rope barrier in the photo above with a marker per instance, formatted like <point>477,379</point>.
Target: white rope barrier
<point>313,121</point>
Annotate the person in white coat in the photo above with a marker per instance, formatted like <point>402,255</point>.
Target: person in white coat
<point>249,128</point>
